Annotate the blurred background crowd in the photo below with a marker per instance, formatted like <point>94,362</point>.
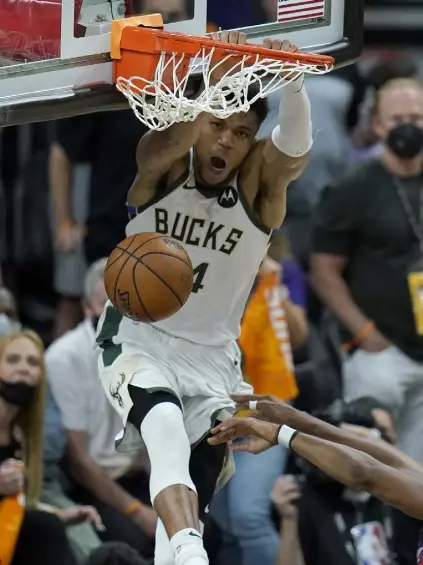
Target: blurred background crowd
<point>352,352</point>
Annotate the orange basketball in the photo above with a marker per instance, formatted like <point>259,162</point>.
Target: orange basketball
<point>148,277</point>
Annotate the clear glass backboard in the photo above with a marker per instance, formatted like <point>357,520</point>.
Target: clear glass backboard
<point>55,54</point>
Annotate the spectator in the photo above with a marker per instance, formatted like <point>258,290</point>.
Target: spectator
<point>171,10</point>
<point>242,507</point>
<point>22,391</point>
<point>115,483</point>
<point>83,537</point>
<point>294,281</point>
<point>368,235</point>
<point>115,554</point>
<point>365,142</point>
<point>107,142</point>
<point>9,320</point>
<point>233,14</point>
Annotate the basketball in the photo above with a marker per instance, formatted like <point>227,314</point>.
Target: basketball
<point>148,277</point>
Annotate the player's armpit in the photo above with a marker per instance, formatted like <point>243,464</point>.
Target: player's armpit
<point>272,202</point>
<point>277,172</point>
<point>157,153</point>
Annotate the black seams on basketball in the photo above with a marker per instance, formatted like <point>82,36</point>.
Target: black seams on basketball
<point>148,277</point>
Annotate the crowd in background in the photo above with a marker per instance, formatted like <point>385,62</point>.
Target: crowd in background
<point>352,350</point>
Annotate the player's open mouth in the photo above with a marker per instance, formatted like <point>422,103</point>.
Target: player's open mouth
<point>218,164</point>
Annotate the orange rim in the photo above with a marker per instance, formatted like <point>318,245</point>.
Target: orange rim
<point>173,42</point>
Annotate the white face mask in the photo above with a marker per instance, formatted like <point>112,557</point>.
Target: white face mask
<point>7,325</point>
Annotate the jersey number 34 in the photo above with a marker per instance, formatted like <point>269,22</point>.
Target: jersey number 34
<point>199,274</point>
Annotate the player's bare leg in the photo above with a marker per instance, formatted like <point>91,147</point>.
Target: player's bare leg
<point>177,508</point>
<point>173,494</point>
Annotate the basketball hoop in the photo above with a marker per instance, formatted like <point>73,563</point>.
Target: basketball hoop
<point>153,69</point>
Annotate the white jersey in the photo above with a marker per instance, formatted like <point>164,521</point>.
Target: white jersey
<point>226,244</point>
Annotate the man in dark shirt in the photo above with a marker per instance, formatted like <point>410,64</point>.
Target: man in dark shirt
<point>366,241</point>
<point>107,141</point>
<point>368,237</point>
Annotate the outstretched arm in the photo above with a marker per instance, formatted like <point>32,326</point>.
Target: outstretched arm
<point>360,471</point>
<point>281,413</point>
<point>351,467</point>
<point>157,152</point>
<point>286,152</point>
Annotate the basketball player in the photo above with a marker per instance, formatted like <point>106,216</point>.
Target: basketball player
<point>211,186</point>
<point>357,462</point>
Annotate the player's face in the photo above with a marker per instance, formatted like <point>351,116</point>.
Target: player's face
<point>399,106</point>
<point>223,145</point>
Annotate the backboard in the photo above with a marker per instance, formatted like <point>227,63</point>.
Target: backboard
<point>55,54</point>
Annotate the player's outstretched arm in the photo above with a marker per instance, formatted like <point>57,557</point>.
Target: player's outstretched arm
<point>286,152</point>
<point>281,413</point>
<point>351,467</point>
<point>360,471</point>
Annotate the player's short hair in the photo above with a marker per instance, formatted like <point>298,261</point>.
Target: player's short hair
<point>260,107</point>
<point>94,275</point>
<point>115,553</point>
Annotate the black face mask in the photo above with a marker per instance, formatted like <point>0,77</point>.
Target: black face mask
<point>18,394</point>
<point>405,140</point>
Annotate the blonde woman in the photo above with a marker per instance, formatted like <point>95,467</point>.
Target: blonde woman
<point>40,535</point>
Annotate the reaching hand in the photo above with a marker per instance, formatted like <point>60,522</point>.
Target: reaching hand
<point>260,435</point>
<point>284,494</point>
<point>12,479</point>
<point>79,514</point>
<point>268,408</point>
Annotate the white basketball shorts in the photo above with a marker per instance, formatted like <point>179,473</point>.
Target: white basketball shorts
<point>201,377</point>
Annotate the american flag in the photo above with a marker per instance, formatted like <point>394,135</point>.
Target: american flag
<point>293,10</point>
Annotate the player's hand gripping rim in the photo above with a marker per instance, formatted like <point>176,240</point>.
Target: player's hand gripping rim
<point>223,68</point>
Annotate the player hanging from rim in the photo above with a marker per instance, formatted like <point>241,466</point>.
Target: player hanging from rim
<point>212,186</point>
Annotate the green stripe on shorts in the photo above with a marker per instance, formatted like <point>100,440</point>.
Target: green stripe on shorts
<point>111,350</point>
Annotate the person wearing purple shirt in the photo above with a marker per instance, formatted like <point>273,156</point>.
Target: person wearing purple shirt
<point>294,279</point>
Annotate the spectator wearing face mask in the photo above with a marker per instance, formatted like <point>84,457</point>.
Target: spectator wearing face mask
<point>115,483</point>
<point>82,535</point>
<point>367,266</point>
<point>28,529</point>
<point>365,143</point>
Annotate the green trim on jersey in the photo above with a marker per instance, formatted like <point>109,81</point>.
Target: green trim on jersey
<point>111,350</point>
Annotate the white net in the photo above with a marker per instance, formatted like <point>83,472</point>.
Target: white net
<point>158,106</point>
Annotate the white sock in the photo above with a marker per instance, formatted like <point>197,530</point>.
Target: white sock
<point>188,548</point>
<point>163,552</point>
